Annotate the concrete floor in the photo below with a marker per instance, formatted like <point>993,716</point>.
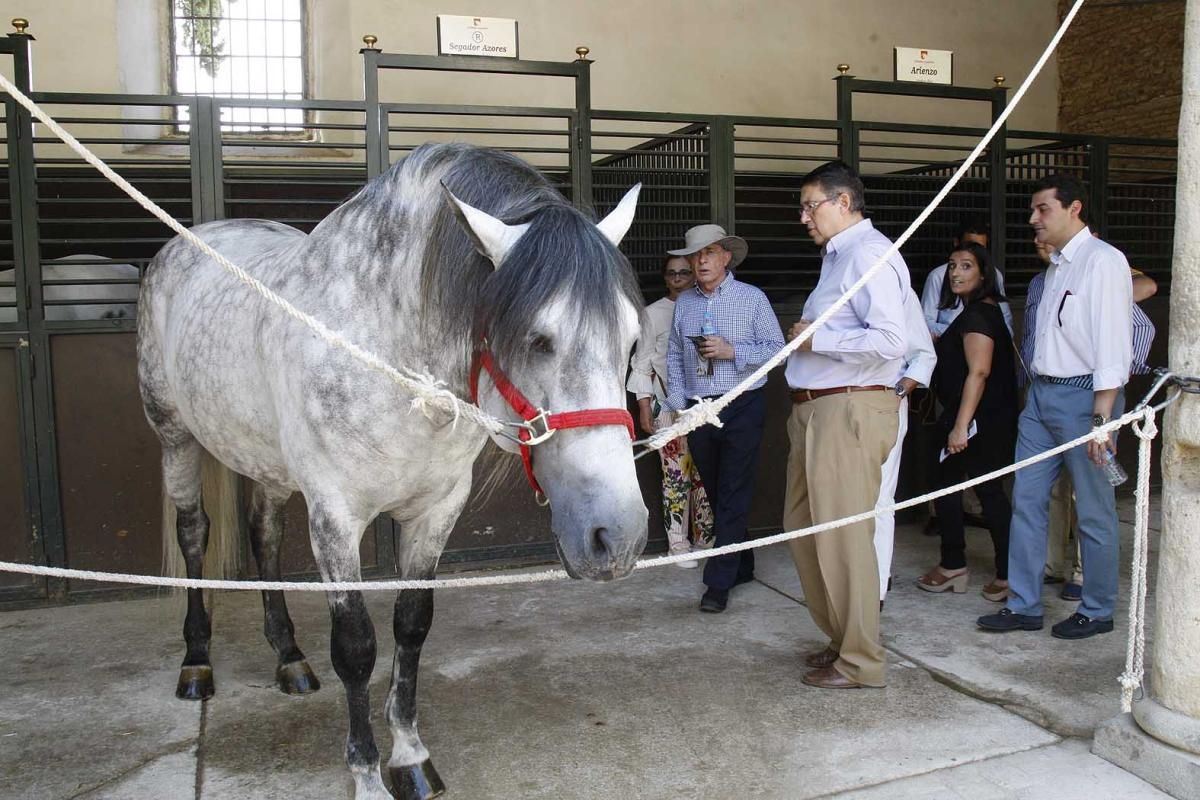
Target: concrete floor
<point>572,690</point>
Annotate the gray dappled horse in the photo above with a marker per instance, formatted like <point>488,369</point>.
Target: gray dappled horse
<point>452,247</point>
<point>73,291</point>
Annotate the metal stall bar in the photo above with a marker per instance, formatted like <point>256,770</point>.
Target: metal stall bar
<point>90,233</point>
<point>311,159</point>
<point>579,70</point>
<point>513,129</point>
<point>770,157</point>
<point>94,244</point>
<point>1139,212</point>
<point>849,145</point>
<point>908,165</point>
<point>669,154</point>
<point>34,505</point>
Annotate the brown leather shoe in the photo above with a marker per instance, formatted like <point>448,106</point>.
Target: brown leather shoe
<point>821,658</point>
<point>829,678</point>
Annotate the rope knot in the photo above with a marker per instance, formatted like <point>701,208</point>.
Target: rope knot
<point>705,412</point>
<point>433,397</point>
<point>1146,429</point>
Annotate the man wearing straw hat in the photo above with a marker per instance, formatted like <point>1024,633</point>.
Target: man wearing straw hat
<point>723,329</point>
<point>843,424</point>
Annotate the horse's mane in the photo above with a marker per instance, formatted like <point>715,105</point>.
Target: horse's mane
<point>562,257</point>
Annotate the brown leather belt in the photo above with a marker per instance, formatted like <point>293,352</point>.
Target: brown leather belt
<point>804,395</point>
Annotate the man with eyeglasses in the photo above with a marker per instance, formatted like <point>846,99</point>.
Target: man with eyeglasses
<point>843,424</point>
<point>723,329</point>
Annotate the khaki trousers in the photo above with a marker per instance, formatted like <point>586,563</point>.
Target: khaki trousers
<point>838,445</point>
<point>1062,543</point>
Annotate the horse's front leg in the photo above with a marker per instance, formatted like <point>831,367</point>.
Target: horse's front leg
<point>421,541</point>
<point>411,770</point>
<point>335,539</point>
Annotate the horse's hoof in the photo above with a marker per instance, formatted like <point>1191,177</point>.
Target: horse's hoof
<point>195,682</point>
<point>416,781</point>
<point>296,678</point>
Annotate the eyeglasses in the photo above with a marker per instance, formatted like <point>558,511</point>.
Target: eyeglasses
<point>678,273</point>
<point>811,206</point>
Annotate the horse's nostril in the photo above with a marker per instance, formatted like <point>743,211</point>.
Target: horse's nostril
<point>602,543</point>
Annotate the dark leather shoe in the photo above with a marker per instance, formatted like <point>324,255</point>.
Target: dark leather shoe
<point>821,658</point>
<point>829,678</point>
<point>740,579</point>
<point>1006,620</point>
<point>714,601</point>
<point>1077,626</point>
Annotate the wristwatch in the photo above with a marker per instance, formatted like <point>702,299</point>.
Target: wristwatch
<point>899,389</point>
<point>1098,420</point>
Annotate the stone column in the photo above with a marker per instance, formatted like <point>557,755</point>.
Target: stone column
<point>1163,747</point>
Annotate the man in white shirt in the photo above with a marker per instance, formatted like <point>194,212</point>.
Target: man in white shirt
<point>1081,358</point>
<point>938,319</point>
<point>918,370</point>
<point>843,423</point>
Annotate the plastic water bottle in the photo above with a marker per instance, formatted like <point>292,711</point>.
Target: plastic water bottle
<point>707,329</point>
<point>1112,469</point>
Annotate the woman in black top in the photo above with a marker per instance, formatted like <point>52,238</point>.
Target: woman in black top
<point>975,383</point>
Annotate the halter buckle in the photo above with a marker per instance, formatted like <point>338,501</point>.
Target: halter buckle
<point>537,427</point>
<point>531,425</point>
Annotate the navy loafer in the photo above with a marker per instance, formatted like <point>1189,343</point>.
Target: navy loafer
<point>1078,626</point>
<point>1005,620</point>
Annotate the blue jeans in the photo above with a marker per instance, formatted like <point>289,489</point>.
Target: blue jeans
<point>1055,414</point>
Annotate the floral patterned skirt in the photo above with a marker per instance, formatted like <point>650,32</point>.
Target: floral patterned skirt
<point>687,515</point>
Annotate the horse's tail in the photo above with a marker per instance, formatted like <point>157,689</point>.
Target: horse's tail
<point>219,492</point>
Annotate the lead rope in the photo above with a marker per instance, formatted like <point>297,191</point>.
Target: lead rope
<point>1135,651</point>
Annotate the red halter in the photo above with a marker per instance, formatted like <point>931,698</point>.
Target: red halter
<point>539,425</point>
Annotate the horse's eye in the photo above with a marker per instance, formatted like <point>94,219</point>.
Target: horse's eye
<point>541,344</point>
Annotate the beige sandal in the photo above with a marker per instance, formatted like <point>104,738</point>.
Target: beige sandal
<point>937,580</point>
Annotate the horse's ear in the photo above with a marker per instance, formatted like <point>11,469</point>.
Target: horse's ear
<point>493,238</point>
<point>616,224</point>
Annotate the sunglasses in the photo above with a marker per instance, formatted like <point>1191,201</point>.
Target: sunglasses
<point>678,273</point>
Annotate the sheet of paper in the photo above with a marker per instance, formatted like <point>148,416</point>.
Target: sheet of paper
<point>972,429</point>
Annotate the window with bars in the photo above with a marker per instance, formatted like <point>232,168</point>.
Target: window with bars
<point>245,50</point>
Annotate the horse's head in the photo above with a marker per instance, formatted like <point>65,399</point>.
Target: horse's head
<point>560,316</point>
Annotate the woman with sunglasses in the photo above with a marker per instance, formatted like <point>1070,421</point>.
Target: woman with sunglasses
<point>684,499</point>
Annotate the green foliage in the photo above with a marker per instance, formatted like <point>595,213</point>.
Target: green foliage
<point>202,31</point>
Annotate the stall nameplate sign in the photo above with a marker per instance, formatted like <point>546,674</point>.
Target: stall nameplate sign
<point>924,66</point>
<point>477,36</point>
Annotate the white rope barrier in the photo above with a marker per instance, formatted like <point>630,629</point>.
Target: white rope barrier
<point>1135,650</point>
<point>692,418</point>
<point>429,392</point>
<point>544,576</point>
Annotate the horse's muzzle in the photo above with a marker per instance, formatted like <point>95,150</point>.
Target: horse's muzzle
<point>599,552</point>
